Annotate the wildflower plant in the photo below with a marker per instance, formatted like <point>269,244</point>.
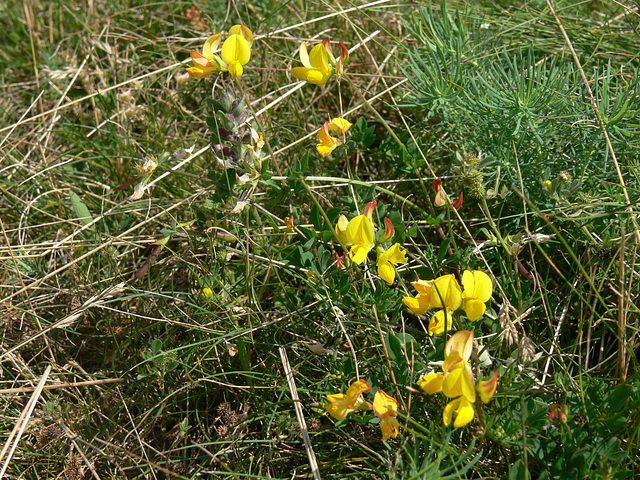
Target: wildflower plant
<point>328,142</point>
<point>385,407</point>
<point>358,235</point>
<point>457,381</point>
<point>227,291</point>
<point>444,293</point>
<point>320,65</point>
<point>235,53</point>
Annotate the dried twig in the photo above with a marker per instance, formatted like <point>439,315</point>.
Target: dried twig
<point>299,414</point>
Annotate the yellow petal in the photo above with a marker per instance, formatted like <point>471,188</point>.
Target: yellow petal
<point>206,292</point>
<point>389,426</point>
<point>341,230</point>
<point>317,77</point>
<point>437,323</point>
<point>461,409</point>
<point>452,385</point>
<point>199,59</point>
<point>304,57</point>
<point>236,49</point>
<point>418,305</point>
<point>201,72</point>
<point>395,255</point>
<point>210,46</point>
<point>431,383</point>
<point>477,285</point>
<point>474,309</point>
<point>339,126</point>
<point>466,381</point>
<point>358,253</point>
<point>243,31</point>
<point>460,342</point>
<point>486,388</point>
<point>324,151</point>
<point>446,292</point>
<point>360,230</point>
<point>383,404</point>
<point>452,361</point>
<point>337,406</point>
<point>423,287</point>
<point>360,233</point>
<point>235,69</point>
<point>340,405</point>
<point>301,73</point>
<point>386,408</point>
<point>326,139</point>
<point>387,273</point>
<point>458,380</point>
<point>318,58</point>
<point>356,389</point>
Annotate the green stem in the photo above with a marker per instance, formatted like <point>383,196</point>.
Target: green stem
<point>320,209</point>
<point>375,112</point>
<point>453,238</point>
<point>389,129</point>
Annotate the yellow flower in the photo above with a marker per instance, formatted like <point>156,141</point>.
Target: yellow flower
<point>437,323</point>
<point>341,230</point>
<point>236,52</point>
<point>457,382</point>
<point>236,49</point>
<point>446,293</point>
<point>328,143</point>
<point>478,289</point>
<point>340,405</point>
<point>339,126</point>
<point>389,231</point>
<point>206,292</point>
<point>316,69</point>
<point>460,344</point>
<point>443,293</point>
<point>548,184</point>
<point>461,409</point>
<point>361,238</point>
<point>386,408</point>
<point>486,388</point>
<point>206,63</point>
<point>357,233</point>
<point>458,379</point>
<point>421,303</point>
<point>393,256</point>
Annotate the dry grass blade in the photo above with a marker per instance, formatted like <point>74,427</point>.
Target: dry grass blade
<point>70,319</point>
<point>106,381</point>
<point>21,423</point>
<point>299,413</point>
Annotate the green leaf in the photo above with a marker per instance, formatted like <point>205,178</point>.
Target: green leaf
<point>394,346</point>
<point>82,212</point>
<point>518,471</point>
<point>316,219</point>
<point>156,346</point>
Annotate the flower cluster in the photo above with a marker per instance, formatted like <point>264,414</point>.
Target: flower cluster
<point>235,52</point>
<point>328,143</point>
<point>457,381</point>
<point>320,64</point>
<point>358,235</point>
<point>445,294</point>
<point>339,405</point>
